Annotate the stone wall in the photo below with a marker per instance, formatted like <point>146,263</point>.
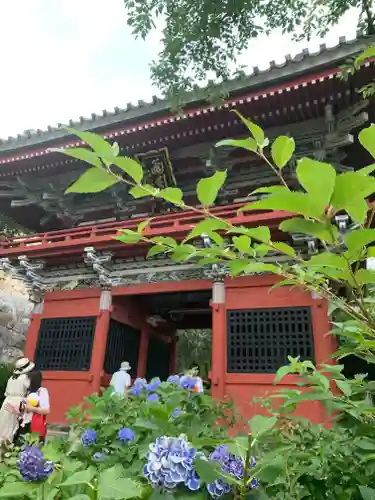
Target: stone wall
<point>15,311</point>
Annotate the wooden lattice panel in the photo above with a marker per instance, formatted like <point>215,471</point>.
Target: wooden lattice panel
<point>65,344</point>
<point>123,344</point>
<point>259,340</point>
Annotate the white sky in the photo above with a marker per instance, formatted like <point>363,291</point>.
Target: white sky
<point>65,58</point>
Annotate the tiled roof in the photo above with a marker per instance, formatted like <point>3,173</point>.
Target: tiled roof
<point>302,63</point>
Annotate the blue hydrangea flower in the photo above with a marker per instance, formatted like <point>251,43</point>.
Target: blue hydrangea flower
<point>98,457</point>
<point>140,382</point>
<point>176,413</point>
<point>136,390</point>
<point>174,379</point>
<point>125,435</point>
<point>154,384</point>
<point>153,398</point>
<point>171,463</point>
<point>33,466</point>
<point>187,382</point>
<point>88,437</point>
<point>230,464</point>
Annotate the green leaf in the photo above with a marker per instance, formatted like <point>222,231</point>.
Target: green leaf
<point>322,231</point>
<point>17,490</point>
<point>113,486</point>
<point>206,226</point>
<point>130,167</point>
<point>156,250</point>
<point>249,143</point>
<point>79,497</point>
<point>81,477</point>
<point>295,202</point>
<point>81,154</point>
<point>142,225</point>
<point>359,238</point>
<point>261,267</point>
<point>365,277</point>
<point>183,252</point>
<point>318,179</point>
<point>284,248</point>
<point>327,259</point>
<point>282,150</point>
<point>357,209</point>
<point>128,236</point>
<point>52,494</point>
<point>171,194</point>
<point>260,424</point>
<point>344,387</point>
<point>349,184</point>
<point>165,240</point>
<point>93,180</point>
<point>208,188</point>
<point>282,372</point>
<point>365,443</point>
<point>367,170</point>
<point>242,243</point>
<point>239,446</point>
<point>366,54</point>
<point>367,139</point>
<point>97,143</point>
<point>207,470</point>
<point>237,266</point>
<point>142,191</point>
<point>271,189</point>
<point>367,493</point>
<point>254,129</point>
<point>261,233</point>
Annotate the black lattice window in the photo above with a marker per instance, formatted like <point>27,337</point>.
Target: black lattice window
<point>158,359</point>
<point>65,344</point>
<point>259,340</point>
<point>123,344</point>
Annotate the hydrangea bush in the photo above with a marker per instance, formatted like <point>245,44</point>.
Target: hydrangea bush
<point>162,437</point>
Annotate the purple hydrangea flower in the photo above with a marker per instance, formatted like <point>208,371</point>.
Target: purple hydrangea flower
<point>174,379</point>
<point>154,384</point>
<point>125,435</point>
<point>176,413</point>
<point>171,463</point>
<point>98,457</point>
<point>153,398</point>
<point>33,466</point>
<point>88,437</point>
<point>187,382</point>
<point>230,464</point>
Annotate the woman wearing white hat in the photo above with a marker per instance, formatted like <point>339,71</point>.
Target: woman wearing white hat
<point>121,380</point>
<point>15,393</point>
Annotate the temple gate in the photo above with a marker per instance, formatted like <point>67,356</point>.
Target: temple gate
<point>95,296</point>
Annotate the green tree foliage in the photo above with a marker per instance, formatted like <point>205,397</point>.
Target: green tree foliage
<point>202,39</point>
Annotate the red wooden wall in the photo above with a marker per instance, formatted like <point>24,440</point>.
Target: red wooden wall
<point>249,293</point>
<point>69,388</point>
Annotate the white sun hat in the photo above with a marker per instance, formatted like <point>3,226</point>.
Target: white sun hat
<point>125,367</point>
<point>23,365</point>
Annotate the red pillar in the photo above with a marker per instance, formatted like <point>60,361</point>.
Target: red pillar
<point>219,340</point>
<point>172,366</point>
<point>143,352</point>
<point>99,348</point>
<point>32,336</point>
<point>325,344</point>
